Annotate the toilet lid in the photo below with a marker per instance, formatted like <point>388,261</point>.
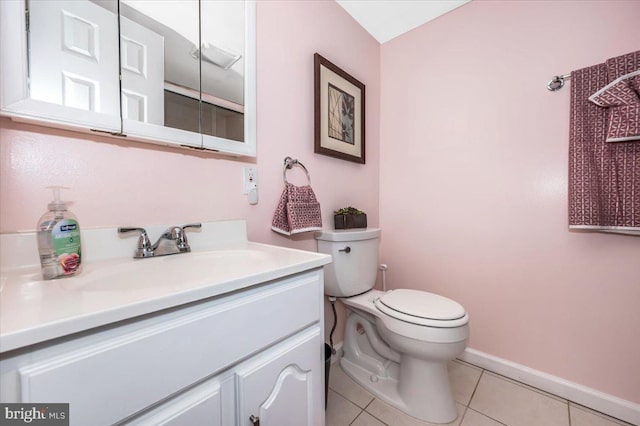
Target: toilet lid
<point>421,304</point>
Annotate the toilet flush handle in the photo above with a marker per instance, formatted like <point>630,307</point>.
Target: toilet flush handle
<point>346,249</point>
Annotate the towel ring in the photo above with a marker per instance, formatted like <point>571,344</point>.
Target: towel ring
<point>289,163</point>
<point>557,82</point>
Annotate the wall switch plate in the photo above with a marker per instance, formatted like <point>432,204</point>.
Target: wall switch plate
<point>250,180</point>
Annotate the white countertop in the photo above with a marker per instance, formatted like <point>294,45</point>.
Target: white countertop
<point>113,289</point>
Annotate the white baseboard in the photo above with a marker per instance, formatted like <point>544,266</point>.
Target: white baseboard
<point>591,398</point>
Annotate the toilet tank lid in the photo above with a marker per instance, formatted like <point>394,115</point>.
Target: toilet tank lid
<point>349,234</point>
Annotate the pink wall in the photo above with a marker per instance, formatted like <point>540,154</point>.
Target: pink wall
<point>117,183</point>
<point>473,186</point>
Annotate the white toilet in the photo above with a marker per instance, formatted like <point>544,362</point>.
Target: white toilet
<point>396,343</point>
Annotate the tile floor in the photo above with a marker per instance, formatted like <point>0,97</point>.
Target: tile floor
<point>482,398</point>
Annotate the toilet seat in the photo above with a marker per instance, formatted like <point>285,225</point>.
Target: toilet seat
<point>422,308</point>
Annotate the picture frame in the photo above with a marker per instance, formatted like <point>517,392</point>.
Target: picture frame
<point>339,119</point>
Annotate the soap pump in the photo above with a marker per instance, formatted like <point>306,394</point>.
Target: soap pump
<point>59,239</point>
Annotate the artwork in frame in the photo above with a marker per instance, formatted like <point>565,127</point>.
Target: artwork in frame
<point>339,112</point>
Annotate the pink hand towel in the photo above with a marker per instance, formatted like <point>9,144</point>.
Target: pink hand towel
<point>298,211</point>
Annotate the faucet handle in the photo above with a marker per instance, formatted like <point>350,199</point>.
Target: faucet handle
<point>192,225</point>
<point>183,244</point>
<point>144,245</point>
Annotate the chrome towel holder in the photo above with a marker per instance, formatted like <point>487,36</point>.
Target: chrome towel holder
<point>289,163</point>
<point>557,82</point>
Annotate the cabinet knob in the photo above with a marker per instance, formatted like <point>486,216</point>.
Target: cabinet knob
<point>254,420</point>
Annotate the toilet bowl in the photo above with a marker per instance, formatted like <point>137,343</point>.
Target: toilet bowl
<point>396,344</point>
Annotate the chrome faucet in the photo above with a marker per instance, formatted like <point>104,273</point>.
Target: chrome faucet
<point>172,241</point>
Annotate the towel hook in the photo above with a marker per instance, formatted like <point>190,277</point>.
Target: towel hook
<point>557,82</point>
<point>289,163</point>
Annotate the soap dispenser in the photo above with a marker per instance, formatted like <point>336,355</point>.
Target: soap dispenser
<point>59,240</point>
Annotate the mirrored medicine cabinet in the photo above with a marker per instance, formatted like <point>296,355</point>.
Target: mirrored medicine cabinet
<point>172,72</point>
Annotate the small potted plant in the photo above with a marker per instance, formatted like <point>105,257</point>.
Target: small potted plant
<point>349,217</point>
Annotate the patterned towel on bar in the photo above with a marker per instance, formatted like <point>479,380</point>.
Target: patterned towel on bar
<point>604,178</point>
<point>298,211</point>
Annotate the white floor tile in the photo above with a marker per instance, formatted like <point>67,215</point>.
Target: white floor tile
<point>464,379</point>
<point>473,418</point>
<point>496,401</point>
<point>531,388</point>
<point>366,419</point>
<point>515,405</point>
<point>582,416</point>
<point>340,412</point>
<point>345,386</point>
<point>395,417</point>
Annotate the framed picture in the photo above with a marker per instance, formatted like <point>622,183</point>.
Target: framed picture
<point>339,112</point>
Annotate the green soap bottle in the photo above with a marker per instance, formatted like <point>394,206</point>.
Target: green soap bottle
<point>59,240</point>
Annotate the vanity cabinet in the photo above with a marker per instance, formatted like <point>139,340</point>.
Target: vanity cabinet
<point>178,73</point>
<point>256,352</point>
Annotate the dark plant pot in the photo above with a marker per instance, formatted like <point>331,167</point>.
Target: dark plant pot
<point>349,221</point>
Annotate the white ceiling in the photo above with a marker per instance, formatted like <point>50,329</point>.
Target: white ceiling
<point>386,19</point>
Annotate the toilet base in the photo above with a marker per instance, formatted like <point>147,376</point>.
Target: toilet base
<point>425,392</point>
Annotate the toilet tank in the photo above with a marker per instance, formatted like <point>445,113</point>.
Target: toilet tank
<point>355,260</point>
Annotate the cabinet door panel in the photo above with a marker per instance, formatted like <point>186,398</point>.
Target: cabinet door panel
<point>291,397</point>
<point>73,57</point>
<point>208,404</point>
<point>142,62</point>
<point>73,61</point>
<point>285,384</point>
<point>202,408</point>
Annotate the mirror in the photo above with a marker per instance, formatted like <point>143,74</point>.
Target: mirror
<point>174,72</point>
<point>222,54</point>
<point>183,67</point>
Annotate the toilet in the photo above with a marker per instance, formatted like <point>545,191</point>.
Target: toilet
<point>397,343</point>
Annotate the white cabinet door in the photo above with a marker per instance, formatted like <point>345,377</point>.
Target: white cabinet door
<point>208,404</point>
<point>142,65</point>
<point>73,63</point>
<point>285,384</point>
<point>74,49</point>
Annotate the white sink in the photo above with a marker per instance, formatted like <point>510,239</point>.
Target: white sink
<point>173,272</point>
<point>112,288</point>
